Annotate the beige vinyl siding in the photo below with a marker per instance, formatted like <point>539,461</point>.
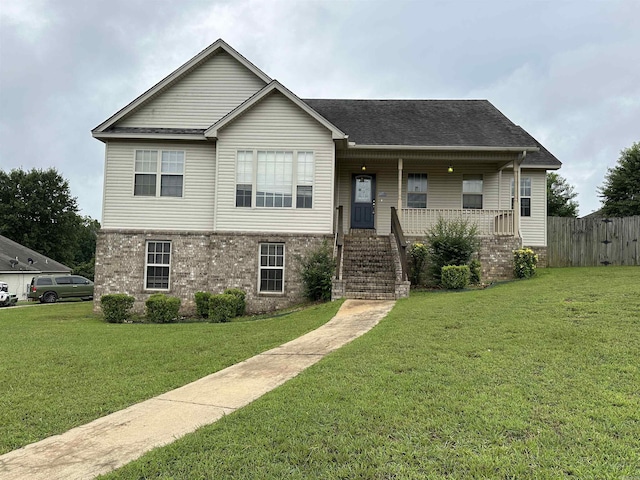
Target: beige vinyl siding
<point>534,228</point>
<point>275,124</point>
<point>200,98</point>
<point>192,211</point>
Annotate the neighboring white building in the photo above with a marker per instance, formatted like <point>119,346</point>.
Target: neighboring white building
<point>19,264</point>
<point>219,176</point>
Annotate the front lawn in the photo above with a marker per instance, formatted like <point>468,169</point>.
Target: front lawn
<point>528,379</point>
<point>60,366</point>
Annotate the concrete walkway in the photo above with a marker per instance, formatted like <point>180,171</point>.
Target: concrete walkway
<point>112,441</point>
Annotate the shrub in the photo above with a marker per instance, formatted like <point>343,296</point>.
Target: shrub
<point>418,253</point>
<point>116,307</point>
<point>455,277</point>
<point>162,308</point>
<point>475,269</point>
<point>240,295</point>
<point>317,269</point>
<point>222,307</point>
<point>524,263</point>
<point>451,243</point>
<point>202,304</point>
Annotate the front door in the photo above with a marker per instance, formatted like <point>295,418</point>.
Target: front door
<point>363,201</point>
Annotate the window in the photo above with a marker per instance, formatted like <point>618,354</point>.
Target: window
<point>472,191</point>
<point>266,178</point>
<point>304,191</point>
<point>271,268</point>
<point>170,177</point>
<point>158,265</point>
<point>63,280</point>
<point>417,190</point>
<point>525,196</point>
<point>244,178</point>
<point>274,181</point>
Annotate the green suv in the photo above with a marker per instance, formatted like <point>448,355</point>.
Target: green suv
<point>49,288</point>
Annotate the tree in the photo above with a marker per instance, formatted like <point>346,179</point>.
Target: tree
<point>620,192</point>
<point>560,197</point>
<point>85,258</point>
<point>38,211</point>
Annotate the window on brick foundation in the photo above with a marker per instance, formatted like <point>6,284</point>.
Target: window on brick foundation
<point>271,275</point>
<point>157,265</point>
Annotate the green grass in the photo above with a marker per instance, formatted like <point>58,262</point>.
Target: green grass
<point>61,366</point>
<point>529,379</point>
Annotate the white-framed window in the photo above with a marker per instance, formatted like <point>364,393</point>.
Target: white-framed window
<point>417,190</point>
<point>157,265</point>
<point>271,268</point>
<point>164,178</point>
<point>244,178</point>
<point>304,189</point>
<point>472,191</point>
<point>525,196</point>
<point>266,178</point>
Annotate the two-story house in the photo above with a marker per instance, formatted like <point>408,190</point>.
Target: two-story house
<point>219,176</point>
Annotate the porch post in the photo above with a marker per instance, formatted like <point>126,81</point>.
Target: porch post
<point>400,189</point>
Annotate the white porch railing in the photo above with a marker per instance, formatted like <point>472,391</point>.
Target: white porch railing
<point>416,221</point>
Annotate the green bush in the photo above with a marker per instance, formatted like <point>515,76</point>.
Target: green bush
<point>451,243</point>
<point>240,295</point>
<point>222,307</point>
<point>418,253</point>
<point>317,269</point>
<point>475,269</point>
<point>455,277</point>
<point>202,304</point>
<point>525,261</point>
<point>116,307</point>
<point>162,308</point>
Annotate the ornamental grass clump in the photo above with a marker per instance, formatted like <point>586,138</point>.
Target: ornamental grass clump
<point>418,253</point>
<point>525,261</point>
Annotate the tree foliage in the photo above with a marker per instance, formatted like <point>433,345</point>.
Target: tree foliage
<point>560,197</point>
<point>38,211</point>
<point>620,192</point>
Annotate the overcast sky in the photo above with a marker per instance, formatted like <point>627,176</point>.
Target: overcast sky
<point>568,72</point>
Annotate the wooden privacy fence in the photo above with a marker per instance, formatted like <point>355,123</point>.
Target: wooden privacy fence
<point>586,242</point>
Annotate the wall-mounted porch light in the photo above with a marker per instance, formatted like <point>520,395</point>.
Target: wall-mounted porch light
<point>363,167</point>
<point>450,169</point>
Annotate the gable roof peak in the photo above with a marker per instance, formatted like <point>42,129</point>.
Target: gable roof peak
<point>195,61</point>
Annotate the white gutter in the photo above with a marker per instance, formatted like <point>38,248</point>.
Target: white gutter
<point>451,148</point>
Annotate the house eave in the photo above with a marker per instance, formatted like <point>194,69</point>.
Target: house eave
<point>444,148</point>
<point>148,136</point>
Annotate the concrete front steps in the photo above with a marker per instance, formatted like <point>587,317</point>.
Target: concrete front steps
<point>368,271</point>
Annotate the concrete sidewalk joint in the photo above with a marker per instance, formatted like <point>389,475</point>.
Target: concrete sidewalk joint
<point>117,439</point>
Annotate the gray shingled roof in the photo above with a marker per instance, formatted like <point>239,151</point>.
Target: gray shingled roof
<point>460,123</point>
<point>179,131</point>
<point>10,250</point>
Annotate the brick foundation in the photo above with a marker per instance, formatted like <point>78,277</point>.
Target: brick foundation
<point>495,255</point>
<point>542,255</point>
<point>199,262</point>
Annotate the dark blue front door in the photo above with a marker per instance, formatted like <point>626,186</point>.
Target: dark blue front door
<point>363,201</point>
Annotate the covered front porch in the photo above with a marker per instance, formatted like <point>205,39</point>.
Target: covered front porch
<point>424,187</point>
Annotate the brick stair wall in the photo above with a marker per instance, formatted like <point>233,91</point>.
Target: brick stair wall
<point>368,268</point>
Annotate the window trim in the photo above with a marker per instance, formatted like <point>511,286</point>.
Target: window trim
<point>282,268</point>
<point>523,195</point>
<point>159,174</point>
<point>296,178</point>
<point>147,265</point>
<point>425,192</point>
<point>481,194</point>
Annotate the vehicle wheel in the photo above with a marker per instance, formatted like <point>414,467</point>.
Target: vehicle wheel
<point>49,297</point>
